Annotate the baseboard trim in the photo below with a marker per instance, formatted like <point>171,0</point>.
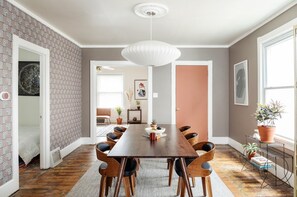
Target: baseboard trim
<point>280,170</point>
<point>219,140</point>
<point>9,188</point>
<point>86,140</point>
<point>71,147</point>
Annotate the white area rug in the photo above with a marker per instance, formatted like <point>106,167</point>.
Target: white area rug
<point>152,180</point>
<point>102,130</point>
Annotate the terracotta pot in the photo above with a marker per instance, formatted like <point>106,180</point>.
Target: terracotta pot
<point>251,155</point>
<point>266,133</point>
<point>119,120</point>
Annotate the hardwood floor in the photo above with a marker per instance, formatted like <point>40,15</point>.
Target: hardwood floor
<point>60,180</point>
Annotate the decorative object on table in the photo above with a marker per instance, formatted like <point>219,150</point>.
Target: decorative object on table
<point>241,96</point>
<point>138,104</point>
<point>154,125</point>
<point>29,78</point>
<point>265,115</point>
<point>140,89</point>
<point>134,119</point>
<point>250,149</point>
<point>151,52</point>
<point>119,111</point>
<point>129,94</point>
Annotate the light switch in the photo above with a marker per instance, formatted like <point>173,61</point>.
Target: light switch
<point>155,95</point>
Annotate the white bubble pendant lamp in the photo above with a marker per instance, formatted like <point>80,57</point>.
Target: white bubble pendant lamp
<point>151,52</point>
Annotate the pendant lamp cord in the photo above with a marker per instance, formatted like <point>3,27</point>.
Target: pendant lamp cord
<point>151,25</point>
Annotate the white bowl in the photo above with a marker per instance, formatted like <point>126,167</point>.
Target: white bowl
<point>158,132</point>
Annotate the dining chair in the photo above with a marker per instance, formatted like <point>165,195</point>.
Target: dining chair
<point>112,137</point>
<point>119,131</point>
<point>192,138</point>
<point>110,168</point>
<point>197,167</point>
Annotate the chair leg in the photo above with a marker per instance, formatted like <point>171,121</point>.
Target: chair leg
<point>203,186</point>
<point>178,186</point>
<point>171,163</point>
<point>107,185</point>
<point>102,186</point>
<point>127,186</point>
<point>193,181</point>
<point>208,186</point>
<point>183,188</point>
<point>131,184</point>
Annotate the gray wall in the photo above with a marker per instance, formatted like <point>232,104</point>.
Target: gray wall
<point>241,118</point>
<point>162,80</point>
<point>65,82</point>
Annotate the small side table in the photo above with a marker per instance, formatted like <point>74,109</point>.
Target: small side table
<point>130,119</point>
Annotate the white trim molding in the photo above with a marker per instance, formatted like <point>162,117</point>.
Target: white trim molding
<point>209,65</point>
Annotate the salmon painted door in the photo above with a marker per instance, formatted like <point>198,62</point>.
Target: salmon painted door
<point>192,99</point>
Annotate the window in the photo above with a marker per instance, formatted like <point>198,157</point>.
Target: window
<point>277,79</point>
<point>109,91</point>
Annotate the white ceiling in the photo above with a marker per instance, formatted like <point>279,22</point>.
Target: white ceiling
<point>190,22</point>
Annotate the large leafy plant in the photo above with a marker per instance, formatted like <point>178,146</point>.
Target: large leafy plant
<point>266,114</point>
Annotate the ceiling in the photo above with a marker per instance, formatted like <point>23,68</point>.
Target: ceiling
<point>112,23</point>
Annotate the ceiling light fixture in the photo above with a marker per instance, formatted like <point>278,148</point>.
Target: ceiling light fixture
<point>151,52</point>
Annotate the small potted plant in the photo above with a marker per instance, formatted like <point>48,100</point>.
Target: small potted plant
<point>265,115</point>
<point>138,104</point>
<point>250,149</point>
<point>154,125</point>
<point>119,111</point>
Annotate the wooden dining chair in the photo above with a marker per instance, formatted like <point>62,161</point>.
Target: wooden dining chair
<point>119,131</point>
<point>197,167</point>
<point>192,138</point>
<point>184,128</point>
<point>112,137</point>
<point>110,168</point>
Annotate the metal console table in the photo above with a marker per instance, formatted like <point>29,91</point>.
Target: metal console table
<point>278,154</point>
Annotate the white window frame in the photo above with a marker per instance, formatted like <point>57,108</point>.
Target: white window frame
<point>261,42</point>
<point>122,93</point>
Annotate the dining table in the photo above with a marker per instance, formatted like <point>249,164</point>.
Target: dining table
<point>135,143</point>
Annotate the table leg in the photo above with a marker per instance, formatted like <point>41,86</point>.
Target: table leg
<point>185,176</point>
<point>120,176</point>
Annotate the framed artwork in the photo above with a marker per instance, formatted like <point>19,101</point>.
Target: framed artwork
<point>140,89</point>
<point>29,78</point>
<point>241,96</point>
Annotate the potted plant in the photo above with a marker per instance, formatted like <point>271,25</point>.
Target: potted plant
<point>265,115</point>
<point>138,104</point>
<point>154,125</point>
<point>250,149</point>
<point>119,111</point>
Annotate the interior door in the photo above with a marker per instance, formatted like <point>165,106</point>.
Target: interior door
<point>192,98</point>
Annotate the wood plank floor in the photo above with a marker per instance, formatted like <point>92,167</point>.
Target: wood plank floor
<point>60,180</point>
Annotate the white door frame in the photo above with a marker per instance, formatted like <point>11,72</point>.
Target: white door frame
<point>93,86</point>
<point>210,87</point>
<point>44,104</point>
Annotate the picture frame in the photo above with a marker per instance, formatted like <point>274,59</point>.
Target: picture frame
<point>241,96</point>
<point>140,89</point>
<point>29,78</point>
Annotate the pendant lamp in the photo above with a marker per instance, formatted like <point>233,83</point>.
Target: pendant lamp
<point>151,52</point>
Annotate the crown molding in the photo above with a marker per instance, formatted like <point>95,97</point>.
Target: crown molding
<point>16,4</point>
<point>263,23</point>
<point>177,46</point>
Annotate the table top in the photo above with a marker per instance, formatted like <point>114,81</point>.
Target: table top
<point>134,143</point>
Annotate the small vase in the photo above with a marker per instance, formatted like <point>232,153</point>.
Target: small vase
<point>251,155</point>
<point>119,121</point>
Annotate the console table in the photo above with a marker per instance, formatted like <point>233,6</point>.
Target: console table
<point>130,119</point>
<point>277,153</point>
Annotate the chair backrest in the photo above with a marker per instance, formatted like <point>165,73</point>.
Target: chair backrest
<point>119,131</point>
<point>184,128</point>
<point>103,111</point>
<point>195,167</point>
<point>193,138</point>
<point>112,164</point>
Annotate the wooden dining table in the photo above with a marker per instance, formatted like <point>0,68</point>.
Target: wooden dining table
<point>135,143</point>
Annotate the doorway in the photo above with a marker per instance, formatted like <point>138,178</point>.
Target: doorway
<point>44,120</point>
<point>205,131</point>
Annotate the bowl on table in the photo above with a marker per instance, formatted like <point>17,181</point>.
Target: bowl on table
<point>158,131</point>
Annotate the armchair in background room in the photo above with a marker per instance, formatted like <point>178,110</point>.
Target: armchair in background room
<point>103,114</point>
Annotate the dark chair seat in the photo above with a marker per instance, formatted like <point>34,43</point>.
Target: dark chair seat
<point>191,135</point>
<point>184,128</point>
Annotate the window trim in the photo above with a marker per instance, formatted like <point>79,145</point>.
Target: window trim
<point>284,29</point>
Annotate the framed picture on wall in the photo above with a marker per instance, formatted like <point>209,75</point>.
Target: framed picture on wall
<point>140,89</point>
<point>241,96</point>
<point>29,78</point>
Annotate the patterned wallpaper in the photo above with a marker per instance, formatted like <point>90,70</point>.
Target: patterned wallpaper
<point>65,82</point>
